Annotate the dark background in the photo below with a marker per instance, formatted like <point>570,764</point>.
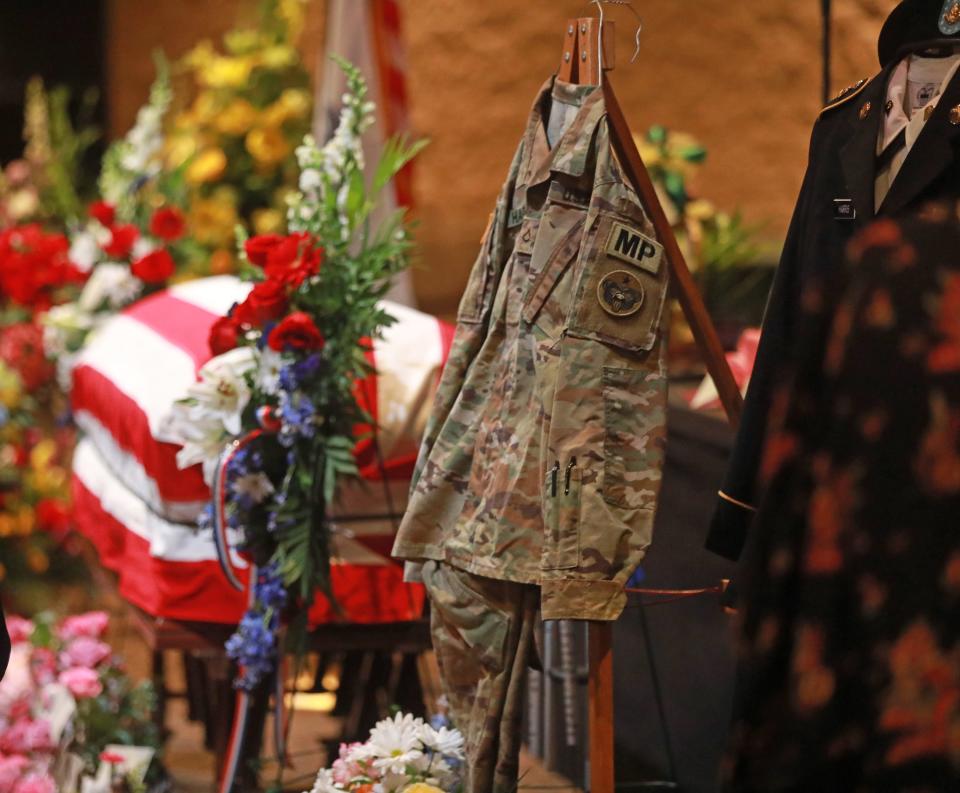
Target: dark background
<point>59,40</point>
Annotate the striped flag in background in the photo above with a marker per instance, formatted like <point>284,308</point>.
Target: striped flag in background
<point>368,34</point>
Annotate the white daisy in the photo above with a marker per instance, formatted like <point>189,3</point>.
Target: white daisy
<point>394,744</point>
<point>445,742</point>
<point>325,784</point>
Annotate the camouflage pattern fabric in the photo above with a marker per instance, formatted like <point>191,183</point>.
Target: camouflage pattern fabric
<point>483,636</point>
<point>542,458</point>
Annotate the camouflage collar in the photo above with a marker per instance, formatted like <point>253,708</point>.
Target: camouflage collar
<point>572,152</point>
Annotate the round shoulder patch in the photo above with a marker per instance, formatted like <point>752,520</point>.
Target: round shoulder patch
<point>620,293</point>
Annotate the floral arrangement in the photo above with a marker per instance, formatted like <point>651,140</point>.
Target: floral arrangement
<point>721,249</point>
<point>47,183</point>
<point>279,396</point>
<point>250,107</point>
<point>35,273</point>
<point>64,700</point>
<point>402,755</point>
<point>133,238</point>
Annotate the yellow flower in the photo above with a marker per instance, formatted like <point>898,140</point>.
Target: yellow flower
<point>267,146</point>
<point>291,11</point>
<point>292,104</point>
<point>49,481</point>
<point>278,57</point>
<point>7,524</point>
<point>200,56</point>
<point>180,148</point>
<point>41,455</point>
<point>241,42</point>
<point>213,221</point>
<point>224,71</point>
<point>25,520</point>
<point>207,166</point>
<point>11,387</point>
<point>221,262</point>
<point>236,118</point>
<point>296,101</point>
<point>37,560</point>
<point>267,220</point>
<point>205,107</point>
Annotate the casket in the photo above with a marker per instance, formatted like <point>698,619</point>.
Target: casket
<point>139,509</point>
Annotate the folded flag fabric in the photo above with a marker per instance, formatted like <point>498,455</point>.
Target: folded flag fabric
<point>139,509</point>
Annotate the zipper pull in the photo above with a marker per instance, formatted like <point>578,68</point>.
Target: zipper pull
<point>554,473</point>
<point>566,482</point>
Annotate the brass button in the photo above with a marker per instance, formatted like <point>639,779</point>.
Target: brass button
<point>955,115</point>
<point>888,107</point>
<point>865,110</point>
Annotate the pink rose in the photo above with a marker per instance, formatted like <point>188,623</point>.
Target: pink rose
<point>344,769</point>
<point>11,769</point>
<point>82,682</point>
<point>36,783</point>
<point>43,661</point>
<point>92,624</point>
<point>19,629</point>
<point>85,651</point>
<point>26,736</point>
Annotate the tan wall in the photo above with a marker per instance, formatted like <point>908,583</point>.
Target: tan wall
<point>742,76</point>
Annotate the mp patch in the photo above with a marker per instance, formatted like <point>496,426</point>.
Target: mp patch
<point>631,246</point>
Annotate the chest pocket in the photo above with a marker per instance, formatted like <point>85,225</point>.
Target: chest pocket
<point>549,294</point>
<point>622,290</point>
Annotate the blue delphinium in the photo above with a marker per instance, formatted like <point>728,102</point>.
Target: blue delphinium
<point>254,648</point>
<point>269,590</point>
<point>297,416</point>
<point>254,645</point>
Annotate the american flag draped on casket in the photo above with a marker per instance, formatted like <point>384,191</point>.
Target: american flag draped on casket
<point>139,509</point>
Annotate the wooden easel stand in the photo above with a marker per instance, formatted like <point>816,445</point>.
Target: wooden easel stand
<point>582,63</point>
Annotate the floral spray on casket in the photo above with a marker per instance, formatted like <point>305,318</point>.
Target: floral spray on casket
<point>275,415</point>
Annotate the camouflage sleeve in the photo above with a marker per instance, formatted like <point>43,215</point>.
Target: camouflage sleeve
<point>607,425</point>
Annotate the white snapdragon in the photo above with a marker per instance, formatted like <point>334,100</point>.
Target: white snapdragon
<point>112,286</point>
<point>84,250</point>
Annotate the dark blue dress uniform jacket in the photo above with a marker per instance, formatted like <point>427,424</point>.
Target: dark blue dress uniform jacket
<point>840,177</point>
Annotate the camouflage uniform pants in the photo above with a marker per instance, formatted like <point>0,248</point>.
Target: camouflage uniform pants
<point>483,635</point>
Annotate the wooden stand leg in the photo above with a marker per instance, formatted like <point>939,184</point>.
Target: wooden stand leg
<point>601,707</point>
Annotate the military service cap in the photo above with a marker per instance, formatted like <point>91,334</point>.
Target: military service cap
<point>916,22</point>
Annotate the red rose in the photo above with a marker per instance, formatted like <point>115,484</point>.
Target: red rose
<point>224,335</point>
<point>121,241</point>
<point>296,332</point>
<point>259,247</point>
<point>167,223</point>
<point>154,268</point>
<point>21,348</point>
<point>266,301</point>
<point>293,260</point>
<point>53,516</point>
<point>103,212</point>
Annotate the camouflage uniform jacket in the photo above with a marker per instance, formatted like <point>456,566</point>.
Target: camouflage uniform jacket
<point>541,461</point>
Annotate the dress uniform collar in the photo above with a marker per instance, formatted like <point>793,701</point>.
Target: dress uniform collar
<point>931,154</point>
<point>859,154</point>
<point>571,153</point>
